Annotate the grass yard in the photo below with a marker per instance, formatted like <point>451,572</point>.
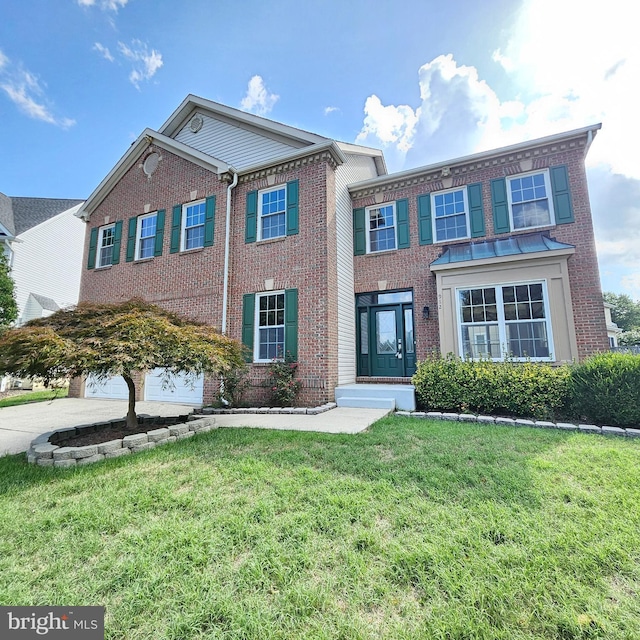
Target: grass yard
<point>34,396</point>
<point>415,529</point>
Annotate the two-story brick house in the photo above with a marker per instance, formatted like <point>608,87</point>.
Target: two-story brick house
<point>293,242</point>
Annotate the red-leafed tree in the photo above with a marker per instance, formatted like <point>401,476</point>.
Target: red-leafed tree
<point>107,340</point>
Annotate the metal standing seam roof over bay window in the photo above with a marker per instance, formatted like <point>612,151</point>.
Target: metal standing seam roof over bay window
<point>500,248</point>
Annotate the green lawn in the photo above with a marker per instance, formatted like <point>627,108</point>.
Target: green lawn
<point>415,529</point>
<point>35,396</point>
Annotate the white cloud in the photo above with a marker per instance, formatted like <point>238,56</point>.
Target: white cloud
<point>328,110</point>
<point>145,63</point>
<point>103,51</point>
<point>105,5</point>
<point>258,99</point>
<point>567,73</point>
<point>24,90</point>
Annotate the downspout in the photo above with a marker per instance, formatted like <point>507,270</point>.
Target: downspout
<point>225,282</point>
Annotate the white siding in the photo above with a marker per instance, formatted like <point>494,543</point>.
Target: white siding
<point>48,261</point>
<point>356,168</point>
<point>234,145</point>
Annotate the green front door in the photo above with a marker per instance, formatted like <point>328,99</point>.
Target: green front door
<point>391,342</point>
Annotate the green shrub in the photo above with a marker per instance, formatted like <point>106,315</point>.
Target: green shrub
<point>605,389</point>
<point>520,389</point>
<point>282,383</point>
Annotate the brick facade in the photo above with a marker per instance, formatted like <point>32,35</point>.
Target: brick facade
<point>191,283</point>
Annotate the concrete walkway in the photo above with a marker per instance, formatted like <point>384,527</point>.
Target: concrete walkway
<point>19,425</point>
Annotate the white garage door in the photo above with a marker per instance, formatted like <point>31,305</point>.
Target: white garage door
<point>184,389</point>
<point>114,387</point>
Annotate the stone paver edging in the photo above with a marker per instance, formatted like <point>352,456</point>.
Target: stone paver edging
<point>46,452</point>
<point>522,422</point>
<point>48,449</point>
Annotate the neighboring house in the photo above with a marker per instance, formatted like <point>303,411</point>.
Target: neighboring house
<point>293,242</point>
<point>613,330</point>
<point>43,240</point>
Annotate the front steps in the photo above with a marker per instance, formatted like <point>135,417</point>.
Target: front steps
<point>377,396</point>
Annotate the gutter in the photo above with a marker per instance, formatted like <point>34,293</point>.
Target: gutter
<point>225,285</point>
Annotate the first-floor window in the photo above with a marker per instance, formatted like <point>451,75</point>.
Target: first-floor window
<point>270,321</point>
<point>105,244</point>
<point>381,232</point>
<point>193,216</point>
<point>145,244</point>
<point>507,320</point>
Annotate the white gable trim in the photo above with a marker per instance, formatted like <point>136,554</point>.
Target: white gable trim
<point>147,137</point>
<point>191,103</point>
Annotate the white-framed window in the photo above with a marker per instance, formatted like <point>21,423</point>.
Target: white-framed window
<point>450,215</point>
<point>530,201</point>
<point>381,228</point>
<point>510,320</point>
<point>106,238</point>
<point>272,213</point>
<point>146,235</point>
<point>193,218</point>
<point>269,337</point>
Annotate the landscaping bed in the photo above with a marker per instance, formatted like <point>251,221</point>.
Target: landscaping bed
<point>90,443</point>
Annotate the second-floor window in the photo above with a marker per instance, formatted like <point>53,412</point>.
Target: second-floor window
<point>146,236</point>
<point>106,239</point>
<point>193,219</point>
<point>530,200</point>
<point>450,218</point>
<point>272,208</point>
<point>381,228</point>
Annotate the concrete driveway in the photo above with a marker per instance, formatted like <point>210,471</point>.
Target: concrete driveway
<point>19,425</point>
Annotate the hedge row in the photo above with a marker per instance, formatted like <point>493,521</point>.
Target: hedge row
<point>604,389</point>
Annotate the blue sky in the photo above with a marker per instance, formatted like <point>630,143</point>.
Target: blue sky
<point>423,80</point>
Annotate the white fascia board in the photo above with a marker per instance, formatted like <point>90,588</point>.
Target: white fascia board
<point>147,137</point>
<point>179,117</point>
<point>5,233</point>
<point>329,146</point>
<point>475,157</point>
<point>375,154</point>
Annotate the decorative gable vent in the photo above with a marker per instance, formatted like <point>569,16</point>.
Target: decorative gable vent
<point>151,163</point>
<point>196,123</point>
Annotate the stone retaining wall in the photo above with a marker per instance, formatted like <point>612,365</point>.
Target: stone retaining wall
<point>522,422</point>
<point>49,450</point>
<point>310,411</point>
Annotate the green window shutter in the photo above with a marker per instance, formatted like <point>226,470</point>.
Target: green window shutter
<point>561,194</point>
<point>248,319</point>
<point>209,220</point>
<point>131,239</point>
<point>93,243</point>
<point>359,234</point>
<point>402,214</point>
<point>425,230</point>
<point>476,210</point>
<point>176,224</point>
<point>500,206</point>
<point>117,241</point>
<point>292,208</point>
<point>159,233</point>
<point>251,225</point>
<point>291,323</point>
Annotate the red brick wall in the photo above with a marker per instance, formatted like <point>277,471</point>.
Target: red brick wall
<point>409,268</point>
<point>191,283</point>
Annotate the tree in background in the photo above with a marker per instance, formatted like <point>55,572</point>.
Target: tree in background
<point>625,312</point>
<point>106,340</point>
<point>8,306</point>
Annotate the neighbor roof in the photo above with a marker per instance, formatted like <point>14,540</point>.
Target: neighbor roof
<point>30,212</point>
